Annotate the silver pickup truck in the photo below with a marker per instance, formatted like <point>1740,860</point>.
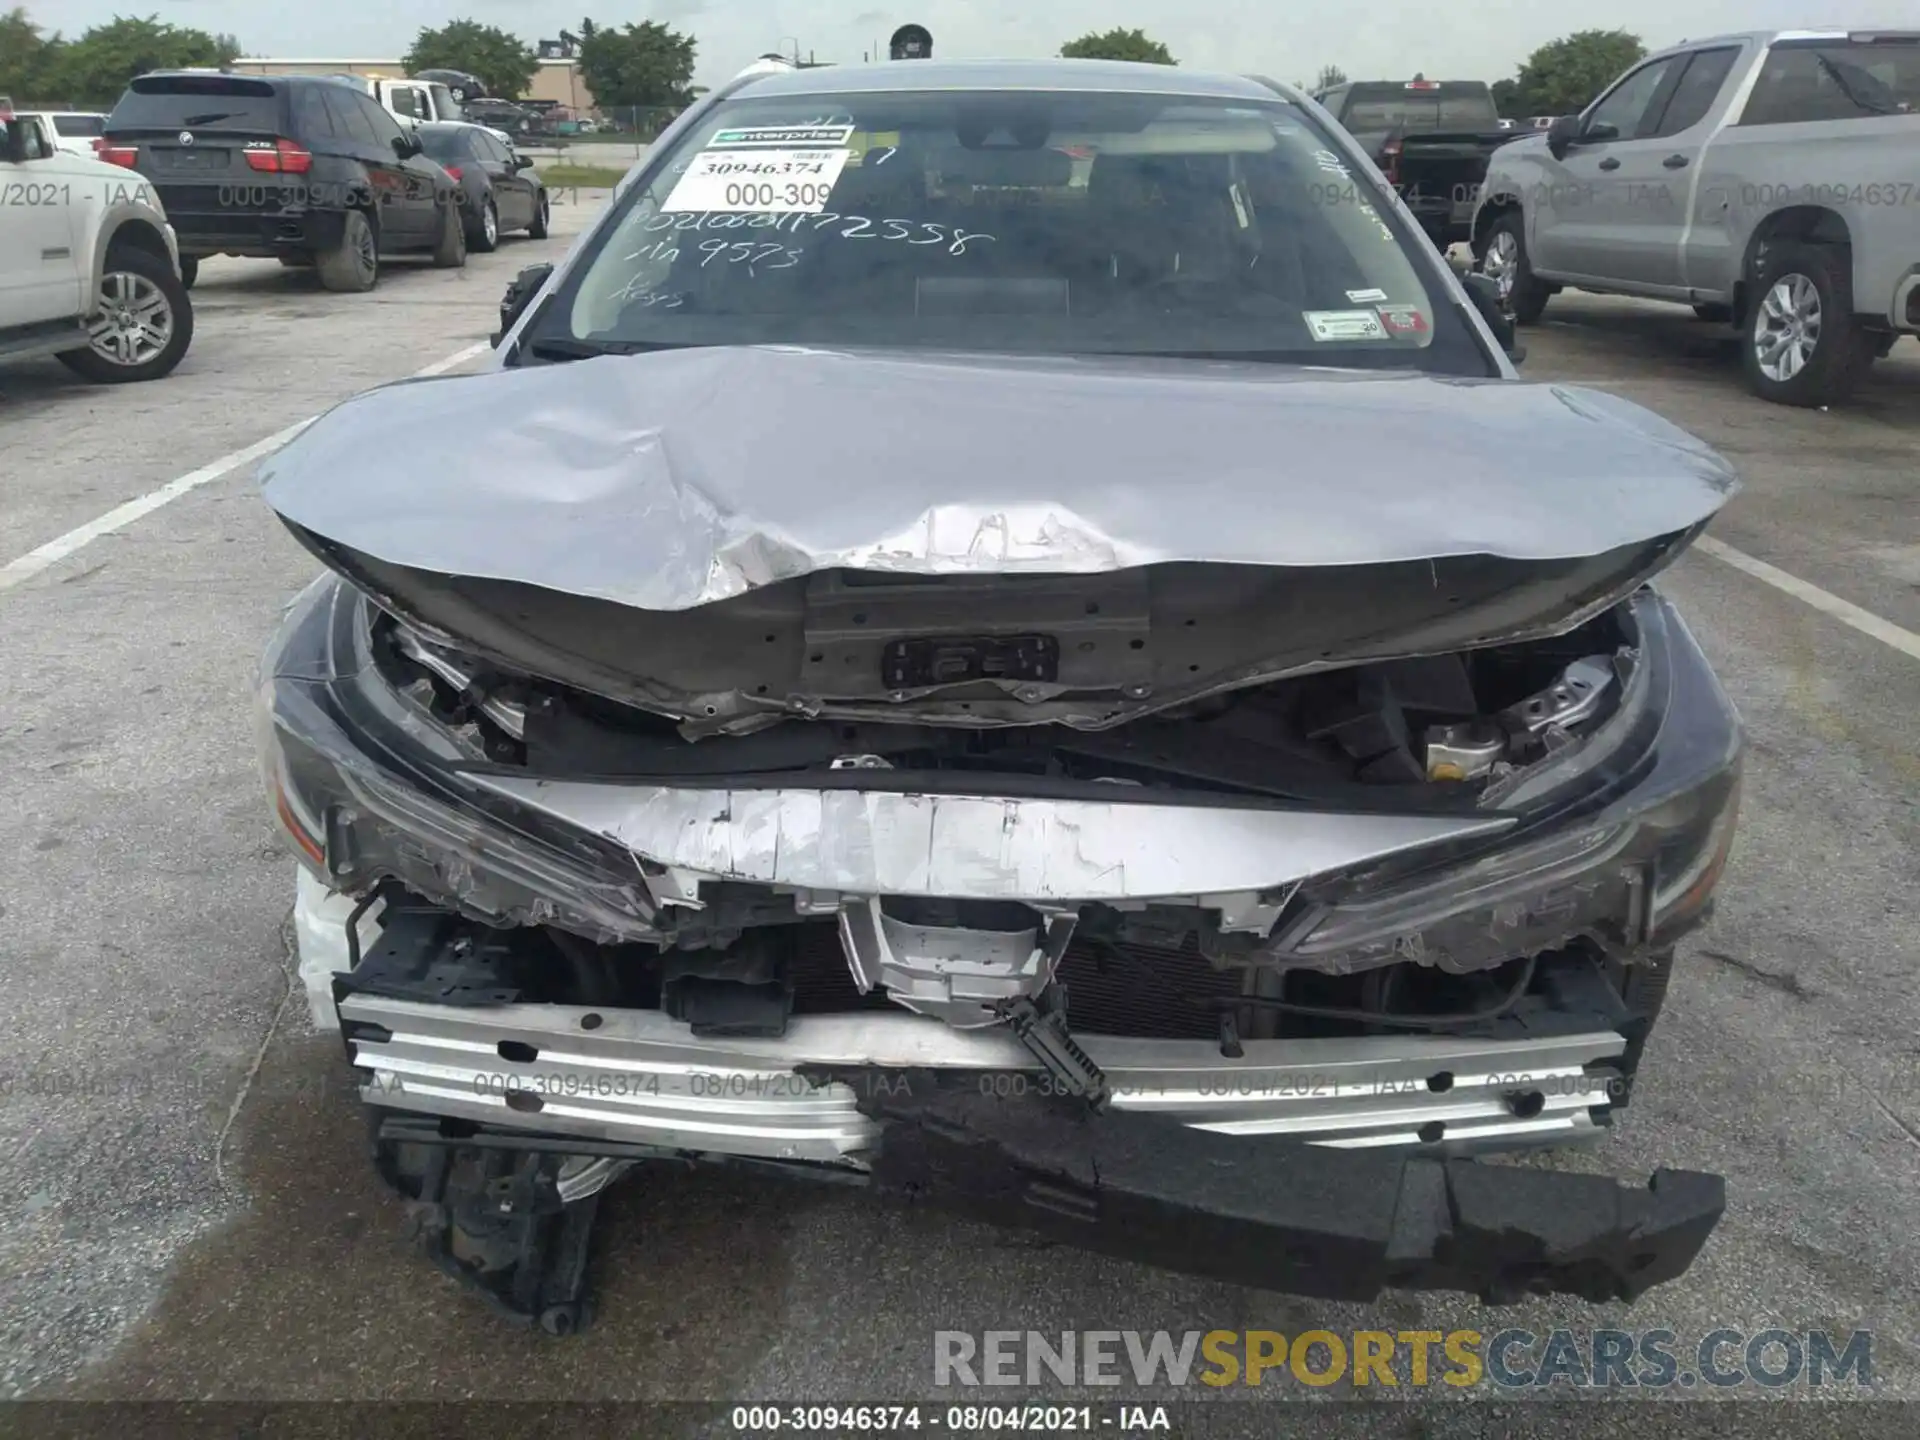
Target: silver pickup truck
<point>1770,180</point>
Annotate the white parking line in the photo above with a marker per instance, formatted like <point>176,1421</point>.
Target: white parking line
<point>1845,611</point>
<point>43,557</point>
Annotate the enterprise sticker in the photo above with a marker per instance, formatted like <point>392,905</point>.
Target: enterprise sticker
<point>762,181</point>
<point>783,137</point>
<point>1344,325</point>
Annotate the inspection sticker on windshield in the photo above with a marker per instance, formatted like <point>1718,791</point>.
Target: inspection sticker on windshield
<point>761,181</point>
<point>782,137</point>
<point>1403,319</point>
<point>1344,325</point>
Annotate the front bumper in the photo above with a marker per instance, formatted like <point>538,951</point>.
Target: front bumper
<point>1290,1166</point>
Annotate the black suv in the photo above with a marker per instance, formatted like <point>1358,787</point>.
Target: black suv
<point>310,170</point>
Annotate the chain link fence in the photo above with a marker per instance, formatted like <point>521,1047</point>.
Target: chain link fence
<point>639,125</point>
<point>618,136</point>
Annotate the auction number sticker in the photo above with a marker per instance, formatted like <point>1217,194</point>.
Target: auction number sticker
<point>1344,325</point>
<point>762,180</point>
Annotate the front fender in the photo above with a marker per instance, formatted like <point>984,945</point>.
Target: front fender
<point>124,220</point>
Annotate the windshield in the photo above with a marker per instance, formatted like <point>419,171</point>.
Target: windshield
<point>1051,223</point>
<point>1445,107</point>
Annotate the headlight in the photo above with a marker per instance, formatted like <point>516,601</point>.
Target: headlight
<point>305,826</point>
<point>1688,867</point>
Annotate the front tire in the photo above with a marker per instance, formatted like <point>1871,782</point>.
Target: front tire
<point>142,324</point>
<point>1504,258</point>
<point>1803,345</point>
<point>353,265</point>
<point>542,215</point>
<point>189,271</point>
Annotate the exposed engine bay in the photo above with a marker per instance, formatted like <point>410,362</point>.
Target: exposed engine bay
<point>1472,717</point>
<point>1343,949</point>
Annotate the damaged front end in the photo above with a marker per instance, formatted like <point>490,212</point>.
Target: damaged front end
<point>1052,876</point>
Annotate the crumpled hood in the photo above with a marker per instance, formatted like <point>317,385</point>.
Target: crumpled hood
<point>670,480</point>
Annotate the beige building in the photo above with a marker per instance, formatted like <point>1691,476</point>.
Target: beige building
<point>556,80</point>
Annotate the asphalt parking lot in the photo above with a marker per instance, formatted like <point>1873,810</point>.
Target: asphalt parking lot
<point>185,1206</point>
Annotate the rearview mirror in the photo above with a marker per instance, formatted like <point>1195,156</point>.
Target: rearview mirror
<point>1485,294</point>
<point>520,292</point>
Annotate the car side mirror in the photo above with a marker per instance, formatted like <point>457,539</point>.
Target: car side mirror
<point>523,162</point>
<point>520,292</point>
<point>407,146</point>
<point>1562,134</point>
<point>1484,291</point>
<point>25,138</point>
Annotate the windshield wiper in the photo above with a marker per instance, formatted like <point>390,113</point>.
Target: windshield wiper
<point>1843,76</point>
<point>565,347</point>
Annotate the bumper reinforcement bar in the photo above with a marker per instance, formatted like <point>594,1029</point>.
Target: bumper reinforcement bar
<point>1273,1214</point>
<point>1276,1214</point>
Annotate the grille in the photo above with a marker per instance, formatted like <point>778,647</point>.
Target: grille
<point>1143,991</point>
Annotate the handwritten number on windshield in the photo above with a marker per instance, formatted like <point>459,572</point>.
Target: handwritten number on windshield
<point>746,252</point>
<point>850,227</point>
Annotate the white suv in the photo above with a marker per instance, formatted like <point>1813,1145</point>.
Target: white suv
<point>73,130</point>
<point>89,269</point>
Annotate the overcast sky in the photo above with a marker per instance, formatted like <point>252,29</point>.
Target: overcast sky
<point>1476,39</point>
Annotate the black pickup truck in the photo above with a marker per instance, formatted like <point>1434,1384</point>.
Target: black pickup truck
<point>1433,139</point>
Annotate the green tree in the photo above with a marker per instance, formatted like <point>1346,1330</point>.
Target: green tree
<point>503,63</point>
<point>1562,76</point>
<point>647,65</point>
<point>1509,100</point>
<point>95,68</point>
<point>1330,76</point>
<point>27,58</point>
<point>1118,44</point>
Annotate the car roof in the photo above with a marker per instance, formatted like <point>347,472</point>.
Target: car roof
<point>1774,37</point>
<point>275,80</point>
<point>1093,76</point>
